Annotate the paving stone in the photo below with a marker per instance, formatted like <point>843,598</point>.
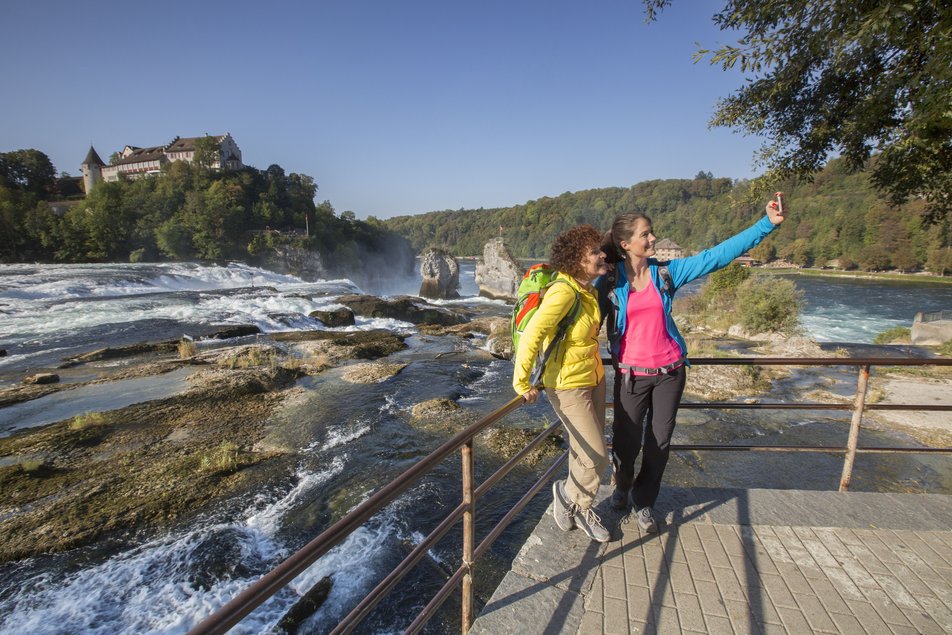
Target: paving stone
<point>716,625</point>
<point>728,585</point>
<point>526,606</point>
<point>635,572</point>
<point>847,624</point>
<point>794,579</point>
<point>940,548</point>
<point>844,583</point>
<point>830,538</point>
<point>591,623</point>
<point>639,605</point>
<point>689,612</point>
<point>687,535</point>
<point>819,553</point>
<point>793,619</point>
<point>774,546</point>
<point>886,608</point>
<point>730,540</point>
<point>868,617</point>
<point>613,581</point>
<point>938,611</point>
<point>594,600</point>
<point>815,613</point>
<point>681,580</point>
<point>732,560</point>
<point>829,596</point>
<point>666,620</point>
<point>896,591</point>
<point>910,581</point>
<point>710,598</point>
<point>923,623</point>
<point>616,616</point>
<point>741,617</point>
<point>700,568</point>
<point>778,591</point>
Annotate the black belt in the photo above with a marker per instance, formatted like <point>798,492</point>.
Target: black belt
<point>661,370</point>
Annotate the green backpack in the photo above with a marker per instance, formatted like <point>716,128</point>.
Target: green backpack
<point>529,296</point>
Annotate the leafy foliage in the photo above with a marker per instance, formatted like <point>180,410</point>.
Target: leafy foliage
<point>856,78</point>
<point>769,305</point>
<point>838,217</point>
<point>190,211</point>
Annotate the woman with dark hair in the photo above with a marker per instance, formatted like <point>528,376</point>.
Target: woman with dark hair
<point>574,378</point>
<point>648,353</point>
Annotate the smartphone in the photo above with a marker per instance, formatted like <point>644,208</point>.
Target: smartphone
<point>779,196</point>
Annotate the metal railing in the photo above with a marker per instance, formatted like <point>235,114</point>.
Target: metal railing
<point>272,582</point>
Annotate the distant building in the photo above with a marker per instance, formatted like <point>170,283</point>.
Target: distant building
<point>667,249</point>
<point>134,162</point>
<point>746,261</point>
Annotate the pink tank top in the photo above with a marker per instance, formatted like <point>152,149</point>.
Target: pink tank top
<point>646,342</point>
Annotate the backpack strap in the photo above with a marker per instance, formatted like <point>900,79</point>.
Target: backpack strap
<point>535,379</point>
<point>666,282</point>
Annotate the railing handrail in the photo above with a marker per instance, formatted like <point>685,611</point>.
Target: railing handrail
<point>265,587</point>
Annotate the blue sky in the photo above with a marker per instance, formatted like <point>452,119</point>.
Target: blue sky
<point>393,107</point>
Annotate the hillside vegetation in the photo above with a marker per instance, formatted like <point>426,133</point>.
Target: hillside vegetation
<point>837,217</point>
<point>187,212</point>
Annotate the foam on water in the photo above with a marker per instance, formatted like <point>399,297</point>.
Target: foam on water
<point>343,434</point>
<point>164,586</point>
<point>268,520</point>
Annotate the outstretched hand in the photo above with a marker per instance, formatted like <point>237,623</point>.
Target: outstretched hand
<point>777,209</point>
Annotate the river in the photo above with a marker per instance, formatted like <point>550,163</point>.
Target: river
<point>354,439</point>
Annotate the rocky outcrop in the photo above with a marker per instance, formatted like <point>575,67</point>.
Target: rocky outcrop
<point>932,328</point>
<point>303,263</point>
<point>497,273</point>
<point>42,378</point>
<point>440,273</point>
<point>403,308</point>
<point>371,372</point>
<point>337,317</point>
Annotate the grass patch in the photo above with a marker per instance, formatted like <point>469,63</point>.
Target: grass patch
<point>251,357</point>
<point>225,459</point>
<point>895,335</point>
<point>87,421</point>
<point>187,348</point>
<point>34,466</point>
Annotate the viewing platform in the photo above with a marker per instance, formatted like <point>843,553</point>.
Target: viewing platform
<point>738,561</point>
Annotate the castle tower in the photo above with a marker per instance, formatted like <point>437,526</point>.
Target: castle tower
<point>92,170</point>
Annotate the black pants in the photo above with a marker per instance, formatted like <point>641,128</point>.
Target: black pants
<point>636,396</point>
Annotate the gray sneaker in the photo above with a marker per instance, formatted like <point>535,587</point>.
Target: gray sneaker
<point>561,508</point>
<point>620,499</point>
<point>646,521</point>
<point>591,524</point>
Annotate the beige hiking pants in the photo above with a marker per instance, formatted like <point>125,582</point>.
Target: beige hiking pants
<point>582,410</point>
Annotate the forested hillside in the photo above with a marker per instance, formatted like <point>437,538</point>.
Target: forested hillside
<point>186,212</point>
<point>837,217</point>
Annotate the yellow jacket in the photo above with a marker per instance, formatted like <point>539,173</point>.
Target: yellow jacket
<point>576,363</point>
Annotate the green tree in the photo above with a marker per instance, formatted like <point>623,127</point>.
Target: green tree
<point>29,171</point>
<point>854,77</point>
<point>207,152</point>
<point>768,304</point>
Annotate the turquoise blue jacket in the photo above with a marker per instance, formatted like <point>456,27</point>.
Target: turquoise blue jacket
<point>613,300</point>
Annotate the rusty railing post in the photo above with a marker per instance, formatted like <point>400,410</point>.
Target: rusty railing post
<point>859,404</point>
<point>469,538</point>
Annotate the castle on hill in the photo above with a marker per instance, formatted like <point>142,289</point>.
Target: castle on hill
<point>134,162</point>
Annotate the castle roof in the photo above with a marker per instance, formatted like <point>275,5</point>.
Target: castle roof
<point>139,155</point>
<point>667,243</point>
<point>92,158</point>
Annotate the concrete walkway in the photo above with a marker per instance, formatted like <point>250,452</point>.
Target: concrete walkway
<point>739,561</point>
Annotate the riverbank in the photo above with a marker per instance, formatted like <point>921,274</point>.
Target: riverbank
<point>858,275</point>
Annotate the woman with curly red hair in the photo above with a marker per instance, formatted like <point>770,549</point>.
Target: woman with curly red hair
<point>574,378</point>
